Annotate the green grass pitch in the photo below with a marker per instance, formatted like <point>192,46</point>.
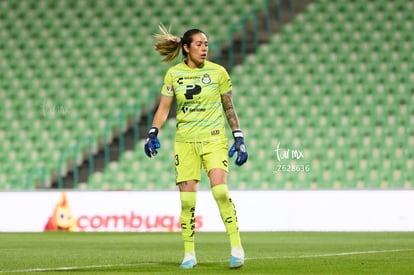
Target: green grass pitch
<point>151,253</point>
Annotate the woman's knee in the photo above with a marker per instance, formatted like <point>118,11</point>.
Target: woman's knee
<point>188,186</point>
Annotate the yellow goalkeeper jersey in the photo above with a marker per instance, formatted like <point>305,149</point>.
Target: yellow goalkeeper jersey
<point>198,93</point>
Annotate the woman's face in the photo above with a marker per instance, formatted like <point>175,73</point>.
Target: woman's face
<point>197,51</point>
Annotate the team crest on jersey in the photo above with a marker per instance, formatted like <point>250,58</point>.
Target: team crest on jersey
<point>206,79</point>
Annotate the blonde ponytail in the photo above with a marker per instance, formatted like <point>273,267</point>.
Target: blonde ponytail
<point>167,45</point>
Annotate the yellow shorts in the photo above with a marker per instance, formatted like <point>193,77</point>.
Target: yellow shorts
<point>190,157</point>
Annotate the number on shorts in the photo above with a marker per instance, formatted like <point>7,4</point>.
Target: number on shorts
<point>177,161</point>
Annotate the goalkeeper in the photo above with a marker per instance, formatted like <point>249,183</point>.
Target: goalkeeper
<point>202,90</point>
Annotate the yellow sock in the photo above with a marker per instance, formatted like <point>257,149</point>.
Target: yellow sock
<point>227,212</point>
<point>235,239</point>
<point>187,219</point>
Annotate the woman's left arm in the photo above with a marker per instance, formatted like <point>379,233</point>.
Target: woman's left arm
<point>230,111</point>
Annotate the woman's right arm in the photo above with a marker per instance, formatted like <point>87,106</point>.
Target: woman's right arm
<point>162,112</point>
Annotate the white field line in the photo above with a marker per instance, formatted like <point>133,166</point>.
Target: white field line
<point>332,254</point>
<point>66,268</point>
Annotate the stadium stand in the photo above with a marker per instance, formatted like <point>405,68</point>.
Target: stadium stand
<point>333,91</point>
<point>67,67</point>
<point>335,85</point>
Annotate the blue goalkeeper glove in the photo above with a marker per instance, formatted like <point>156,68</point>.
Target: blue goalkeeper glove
<point>152,143</point>
<point>239,146</point>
